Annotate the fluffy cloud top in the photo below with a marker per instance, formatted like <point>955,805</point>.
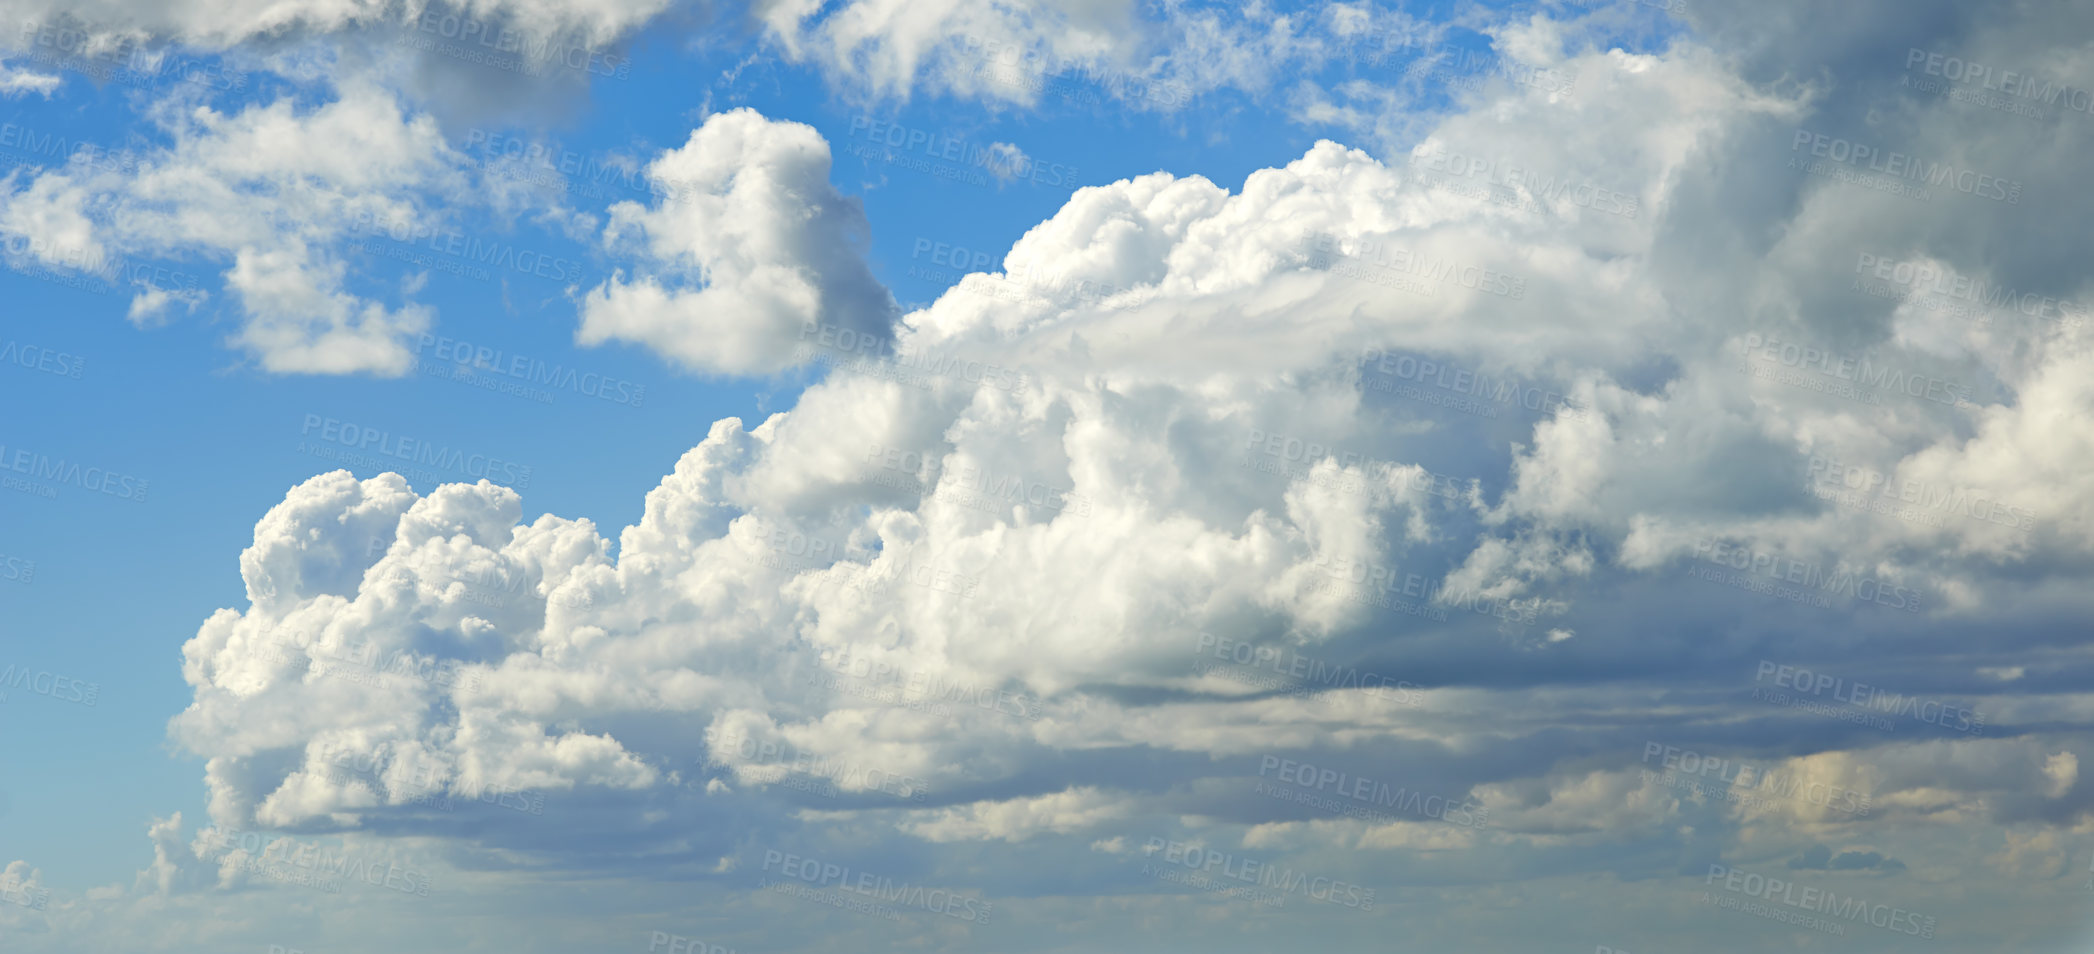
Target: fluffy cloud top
<point>748,246</point>
<point>1052,551</point>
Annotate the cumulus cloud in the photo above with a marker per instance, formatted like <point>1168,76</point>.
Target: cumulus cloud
<point>265,197</point>
<point>1068,536</point>
<point>990,588</point>
<point>748,247</point>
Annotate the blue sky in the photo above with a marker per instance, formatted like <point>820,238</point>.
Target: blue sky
<point>1584,375</point>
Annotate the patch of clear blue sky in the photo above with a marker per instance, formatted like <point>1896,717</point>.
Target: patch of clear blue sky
<point>120,584</point>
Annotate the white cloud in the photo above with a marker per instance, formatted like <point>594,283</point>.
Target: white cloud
<point>17,82</point>
<point>1015,625</point>
<point>748,246</point>
<point>1045,55</point>
<point>149,307</point>
<point>101,24</point>
<point>268,193</point>
<point>1224,316</point>
<point>1021,818</point>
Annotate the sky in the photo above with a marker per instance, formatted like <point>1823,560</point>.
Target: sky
<point>647,475</point>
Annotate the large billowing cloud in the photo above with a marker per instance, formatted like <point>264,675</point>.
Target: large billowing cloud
<point>1083,474</point>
